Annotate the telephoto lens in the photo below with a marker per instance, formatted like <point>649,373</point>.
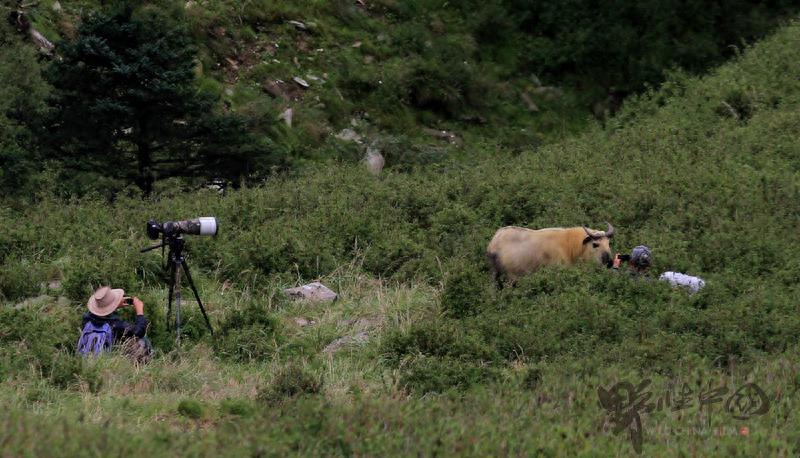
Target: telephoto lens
<point>205,225</point>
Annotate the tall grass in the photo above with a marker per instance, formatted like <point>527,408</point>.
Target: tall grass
<point>451,364</point>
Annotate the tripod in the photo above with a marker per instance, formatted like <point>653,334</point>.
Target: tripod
<point>176,263</point>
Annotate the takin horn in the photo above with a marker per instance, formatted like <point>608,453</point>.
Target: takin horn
<point>592,236</point>
<point>610,231</point>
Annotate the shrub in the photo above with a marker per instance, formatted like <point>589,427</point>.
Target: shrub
<point>236,407</point>
<point>191,408</point>
<point>425,374</point>
<point>248,334</point>
<point>68,370</point>
<point>465,292</point>
<point>290,381</point>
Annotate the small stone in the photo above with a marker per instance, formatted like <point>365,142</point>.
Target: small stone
<point>57,6</point>
<point>300,81</point>
<point>357,339</point>
<point>314,292</point>
<point>298,25</point>
<point>287,116</point>
<point>374,160</point>
<point>303,322</point>
<point>348,135</point>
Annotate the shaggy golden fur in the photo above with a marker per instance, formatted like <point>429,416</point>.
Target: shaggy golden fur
<point>517,251</point>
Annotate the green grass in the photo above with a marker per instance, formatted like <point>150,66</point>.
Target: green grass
<point>451,366</point>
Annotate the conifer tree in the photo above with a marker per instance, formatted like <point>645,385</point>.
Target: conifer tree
<point>126,103</point>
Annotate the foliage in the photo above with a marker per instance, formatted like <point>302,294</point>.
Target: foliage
<point>290,381</point>
<point>126,106</point>
<point>703,170</point>
<point>22,95</point>
<point>623,46</point>
<point>191,408</point>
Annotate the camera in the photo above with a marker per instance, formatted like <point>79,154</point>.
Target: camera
<point>205,225</point>
<point>624,257</point>
<point>128,301</point>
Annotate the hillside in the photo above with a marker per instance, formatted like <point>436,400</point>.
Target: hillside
<point>705,170</point>
<point>421,82</point>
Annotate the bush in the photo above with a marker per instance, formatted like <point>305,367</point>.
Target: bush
<point>248,334</point>
<point>236,407</point>
<point>69,371</point>
<point>20,279</point>
<point>426,374</point>
<point>290,381</point>
<point>465,292</point>
<point>191,408</point>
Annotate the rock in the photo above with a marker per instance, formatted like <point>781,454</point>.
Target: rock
<point>301,82</point>
<point>349,135</point>
<point>451,137</point>
<point>535,80</point>
<point>357,339</point>
<point>549,92</point>
<point>363,323</point>
<point>298,25</point>
<point>287,116</point>
<point>374,160</point>
<point>529,102</point>
<point>303,322</point>
<point>274,89</point>
<point>57,6</point>
<point>314,292</point>
<point>357,44</point>
<point>54,284</point>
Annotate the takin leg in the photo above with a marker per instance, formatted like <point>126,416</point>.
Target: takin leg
<point>494,268</point>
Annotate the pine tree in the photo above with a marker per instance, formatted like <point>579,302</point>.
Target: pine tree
<point>127,106</point>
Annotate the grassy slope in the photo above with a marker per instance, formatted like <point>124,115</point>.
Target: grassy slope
<point>714,187</point>
<point>387,70</point>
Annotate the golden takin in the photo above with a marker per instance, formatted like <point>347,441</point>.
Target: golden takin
<point>517,251</point>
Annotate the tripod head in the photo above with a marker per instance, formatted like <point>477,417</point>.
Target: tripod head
<point>175,242</point>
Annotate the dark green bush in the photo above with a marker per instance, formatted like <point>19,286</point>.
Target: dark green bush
<point>236,407</point>
<point>68,370</point>
<point>191,408</point>
<point>466,292</point>
<point>20,279</point>
<point>290,381</point>
<point>248,334</point>
<point>430,374</point>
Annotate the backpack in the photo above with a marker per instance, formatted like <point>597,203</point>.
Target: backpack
<point>95,339</point>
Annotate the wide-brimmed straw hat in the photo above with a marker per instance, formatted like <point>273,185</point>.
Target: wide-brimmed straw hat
<point>105,300</point>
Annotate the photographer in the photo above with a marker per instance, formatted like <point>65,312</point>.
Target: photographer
<point>102,327</point>
<point>639,263</point>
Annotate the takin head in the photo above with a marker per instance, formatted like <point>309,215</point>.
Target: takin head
<point>597,245</point>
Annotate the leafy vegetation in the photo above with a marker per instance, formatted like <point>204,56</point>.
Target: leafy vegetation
<point>704,170</point>
<point>147,90</point>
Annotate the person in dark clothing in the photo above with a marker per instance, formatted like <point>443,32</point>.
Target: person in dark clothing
<point>103,305</point>
<point>639,261</point>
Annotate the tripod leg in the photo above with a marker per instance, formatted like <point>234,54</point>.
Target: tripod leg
<point>169,295</point>
<point>177,288</point>
<point>196,295</point>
